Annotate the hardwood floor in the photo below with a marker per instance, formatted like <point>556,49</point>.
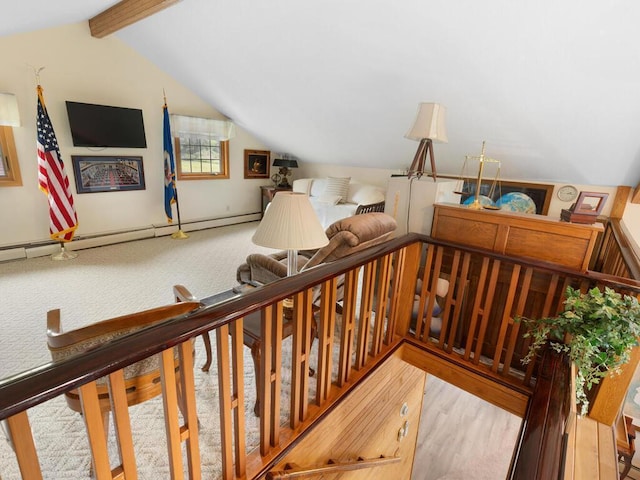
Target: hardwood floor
<point>461,436</point>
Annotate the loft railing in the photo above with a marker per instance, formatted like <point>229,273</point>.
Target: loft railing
<point>618,254</point>
<point>388,291</point>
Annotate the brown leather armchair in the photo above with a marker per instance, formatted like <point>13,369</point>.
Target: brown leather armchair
<point>346,236</point>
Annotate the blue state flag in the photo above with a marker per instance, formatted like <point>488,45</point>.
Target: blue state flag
<point>169,168</point>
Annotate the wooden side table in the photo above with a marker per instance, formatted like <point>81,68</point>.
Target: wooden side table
<point>268,191</point>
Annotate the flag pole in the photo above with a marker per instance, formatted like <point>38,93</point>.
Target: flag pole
<point>168,144</point>
<point>63,254</point>
<point>179,234</point>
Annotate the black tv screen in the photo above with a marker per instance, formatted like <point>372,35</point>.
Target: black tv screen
<point>104,126</point>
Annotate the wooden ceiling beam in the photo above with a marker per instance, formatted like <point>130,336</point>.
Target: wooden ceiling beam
<point>123,14</point>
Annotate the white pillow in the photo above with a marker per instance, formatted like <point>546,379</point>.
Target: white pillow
<point>302,185</point>
<point>317,187</point>
<point>338,186</point>
<point>366,195</point>
<point>329,199</point>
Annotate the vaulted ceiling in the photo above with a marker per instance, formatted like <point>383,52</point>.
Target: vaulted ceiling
<point>553,88</point>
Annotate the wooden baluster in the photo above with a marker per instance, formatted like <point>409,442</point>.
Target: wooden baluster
<point>122,423</point>
<point>326,328</point>
<point>189,413</point>
<point>427,279</point>
<point>171,420</point>
<point>366,304</point>
<point>486,309</point>
<point>22,442</point>
<point>506,317</point>
<point>96,431</point>
<point>476,310</point>
<point>348,325</point>
<point>237,361</point>
<point>515,326</point>
<point>448,302</point>
<point>270,376</point>
<point>302,313</point>
<point>458,287</point>
<point>225,401</point>
<point>382,301</point>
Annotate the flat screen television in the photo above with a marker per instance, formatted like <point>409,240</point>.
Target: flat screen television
<point>105,126</point>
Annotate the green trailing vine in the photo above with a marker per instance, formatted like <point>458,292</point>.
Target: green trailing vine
<point>596,329</point>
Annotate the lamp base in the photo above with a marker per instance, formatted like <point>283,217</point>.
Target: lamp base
<point>284,173</point>
<point>417,166</point>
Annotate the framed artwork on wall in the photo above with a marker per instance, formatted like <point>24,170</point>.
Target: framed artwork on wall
<point>256,163</point>
<point>107,174</point>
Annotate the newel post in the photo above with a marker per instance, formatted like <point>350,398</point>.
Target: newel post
<point>609,400</point>
<point>406,275</point>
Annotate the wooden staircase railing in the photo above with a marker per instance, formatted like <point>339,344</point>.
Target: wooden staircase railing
<point>618,255</point>
<point>478,338</point>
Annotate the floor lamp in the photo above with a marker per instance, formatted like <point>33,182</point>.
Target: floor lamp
<point>290,224</point>
<point>428,127</point>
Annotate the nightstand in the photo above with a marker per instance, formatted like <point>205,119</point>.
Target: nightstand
<point>268,191</point>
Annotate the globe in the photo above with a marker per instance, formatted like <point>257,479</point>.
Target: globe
<point>516,202</point>
<point>484,201</point>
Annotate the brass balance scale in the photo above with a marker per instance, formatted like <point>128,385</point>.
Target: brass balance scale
<point>476,204</point>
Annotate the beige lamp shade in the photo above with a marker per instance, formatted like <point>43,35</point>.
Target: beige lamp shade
<point>290,223</point>
<point>9,114</point>
<point>429,123</point>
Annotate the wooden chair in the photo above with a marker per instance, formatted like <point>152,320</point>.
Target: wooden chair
<point>141,381</point>
<point>625,433</point>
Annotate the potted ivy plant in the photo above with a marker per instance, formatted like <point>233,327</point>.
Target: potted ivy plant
<point>596,329</point>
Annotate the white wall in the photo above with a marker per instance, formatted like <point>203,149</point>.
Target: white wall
<point>106,71</point>
<point>631,220</point>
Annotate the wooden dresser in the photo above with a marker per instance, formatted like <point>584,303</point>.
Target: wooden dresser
<point>517,234</point>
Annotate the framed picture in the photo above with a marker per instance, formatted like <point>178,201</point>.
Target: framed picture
<point>107,174</point>
<point>256,163</point>
<point>590,203</point>
<point>540,193</point>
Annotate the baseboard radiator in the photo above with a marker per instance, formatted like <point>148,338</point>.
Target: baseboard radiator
<point>81,242</point>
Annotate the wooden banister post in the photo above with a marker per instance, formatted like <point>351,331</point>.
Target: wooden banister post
<point>609,400</point>
<point>406,275</point>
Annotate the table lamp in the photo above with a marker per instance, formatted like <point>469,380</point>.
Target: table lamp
<point>285,164</point>
<point>290,224</point>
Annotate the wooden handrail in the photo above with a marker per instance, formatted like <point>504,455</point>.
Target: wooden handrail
<point>541,445</point>
<point>295,471</point>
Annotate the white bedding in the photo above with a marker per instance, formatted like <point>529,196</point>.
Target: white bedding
<point>329,213</point>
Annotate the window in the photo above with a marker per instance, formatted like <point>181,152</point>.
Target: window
<point>9,168</point>
<point>202,147</point>
<point>201,157</point>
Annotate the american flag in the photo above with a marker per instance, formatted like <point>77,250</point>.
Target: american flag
<point>52,178</point>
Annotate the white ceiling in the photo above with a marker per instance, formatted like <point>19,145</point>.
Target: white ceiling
<point>552,87</point>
